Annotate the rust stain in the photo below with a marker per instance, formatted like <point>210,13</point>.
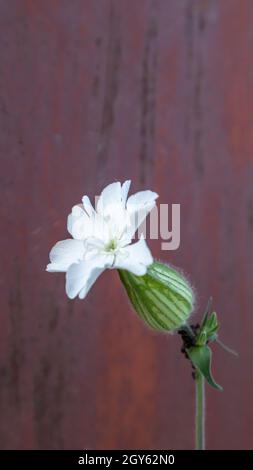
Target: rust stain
<point>126,407</point>
<point>96,78</point>
<point>16,354</point>
<point>195,25</point>
<point>237,72</point>
<point>112,69</point>
<point>88,374</point>
<point>148,96</point>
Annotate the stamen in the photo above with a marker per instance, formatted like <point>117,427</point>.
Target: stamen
<point>111,246</point>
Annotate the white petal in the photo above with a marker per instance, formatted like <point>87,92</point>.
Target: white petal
<point>77,211</point>
<point>141,200</point>
<point>101,228</point>
<point>81,276</point>
<point>88,207</point>
<point>110,196</point>
<point>65,253</point>
<point>111,206</point>
<point>79,225</point>
<point>134,258</point>
<point>138,207</point>
<point>124,191</point>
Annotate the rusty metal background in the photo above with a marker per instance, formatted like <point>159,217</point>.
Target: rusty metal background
<point>92,91</point>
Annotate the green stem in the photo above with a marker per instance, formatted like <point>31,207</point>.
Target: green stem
<point>200,411</point>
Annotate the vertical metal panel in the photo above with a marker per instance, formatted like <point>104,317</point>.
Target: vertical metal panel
<point>93,91</point>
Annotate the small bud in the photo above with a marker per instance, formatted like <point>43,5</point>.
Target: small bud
<point>162,297</point>
<point>201,338</point>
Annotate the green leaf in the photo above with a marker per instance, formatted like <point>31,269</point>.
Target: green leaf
<point>211,325</point>
<point>201,357</point>
<point>207,312</point>
<point>212,321</point>
<point>162,297</point>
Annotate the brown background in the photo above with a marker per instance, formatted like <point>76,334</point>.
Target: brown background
<point>92,91</point>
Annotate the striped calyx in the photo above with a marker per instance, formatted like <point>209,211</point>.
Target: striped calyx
<point>162,297</point>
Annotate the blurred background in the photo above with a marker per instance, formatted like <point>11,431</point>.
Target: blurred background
<point>93,91</point>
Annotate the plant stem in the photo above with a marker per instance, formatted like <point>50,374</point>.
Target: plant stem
<point>200,411</point>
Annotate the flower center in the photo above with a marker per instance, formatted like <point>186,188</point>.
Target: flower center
<point>111,246</point>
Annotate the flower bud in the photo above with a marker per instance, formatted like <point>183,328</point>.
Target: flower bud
<point>162,297</point>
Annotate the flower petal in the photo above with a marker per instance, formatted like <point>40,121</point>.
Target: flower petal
<point>138,207</point>
<point>124,191</point>
<point>141,200</point>
<point>81,276</point>
<point>113,198</point>
<point>88,207</point>
<point>79,225</point>
<point>110,196</point>
<point>111,207</point>
<point>134,258</point>
<point>65,253</point>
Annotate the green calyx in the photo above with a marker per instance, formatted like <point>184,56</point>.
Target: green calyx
<point>162,297</point>
<point>199,352</point>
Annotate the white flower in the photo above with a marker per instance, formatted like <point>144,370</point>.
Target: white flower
<point>102,237</point>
